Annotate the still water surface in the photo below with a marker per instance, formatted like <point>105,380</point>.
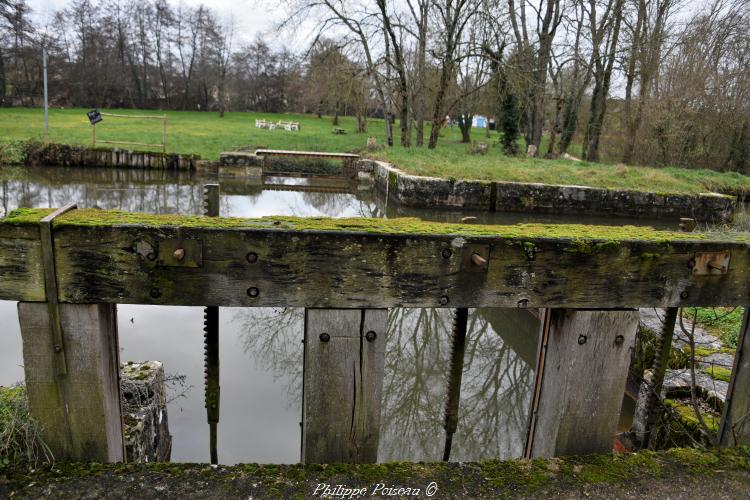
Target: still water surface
<point>261,348</point>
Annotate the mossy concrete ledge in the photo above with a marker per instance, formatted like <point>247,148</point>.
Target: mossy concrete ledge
<point>677,473</point>
<point>432,192</point>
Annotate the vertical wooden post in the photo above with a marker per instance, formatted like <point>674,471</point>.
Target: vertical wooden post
<point>344,357</point>
<point>580,381</point>
<point>735,422</point>
<point>79,411</point>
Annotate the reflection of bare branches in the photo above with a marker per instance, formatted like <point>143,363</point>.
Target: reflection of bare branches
<point>273,337</point>
<point>495,389</point>
<point>494,398</point>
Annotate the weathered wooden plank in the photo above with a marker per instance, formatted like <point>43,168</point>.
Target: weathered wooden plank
<point>80,412</point>
<point>735,423</point>
<point>113,257</point>
<point>343,380</point>
<point>581,381</point>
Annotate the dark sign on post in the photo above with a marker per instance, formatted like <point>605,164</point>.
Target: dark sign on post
<point>94,116</point>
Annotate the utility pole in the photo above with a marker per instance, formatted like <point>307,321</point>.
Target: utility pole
<point>46,104</point>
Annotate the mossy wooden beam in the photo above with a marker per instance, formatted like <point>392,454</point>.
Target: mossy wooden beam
<point>112,256</point>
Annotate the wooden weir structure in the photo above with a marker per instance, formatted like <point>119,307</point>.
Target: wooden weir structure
<point>69,268</point>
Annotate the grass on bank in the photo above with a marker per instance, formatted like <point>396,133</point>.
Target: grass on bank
<point>208,135</point>
<point>20,440</point>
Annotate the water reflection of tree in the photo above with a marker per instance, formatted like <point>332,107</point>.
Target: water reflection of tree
<point>495,389</point>
<point>273,337</point>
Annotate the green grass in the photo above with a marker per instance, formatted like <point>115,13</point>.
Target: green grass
<point>724,322</point>
<point>207,135</point>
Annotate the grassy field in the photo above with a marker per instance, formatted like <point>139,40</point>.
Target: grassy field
<point>207,135</point>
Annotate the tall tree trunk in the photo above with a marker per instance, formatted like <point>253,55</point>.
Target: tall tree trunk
<point>601,91</point>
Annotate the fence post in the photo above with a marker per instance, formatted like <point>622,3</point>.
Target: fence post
<point>344,356</point>
<point>80,411</point>
<point>735,422</point>
<point>582,370</point>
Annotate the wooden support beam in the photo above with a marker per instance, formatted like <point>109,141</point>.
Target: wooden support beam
<point>580,382</point>
<point>119,257</point>
<point>342,384</point>
<point>80,411</point>
<point>735,422</point>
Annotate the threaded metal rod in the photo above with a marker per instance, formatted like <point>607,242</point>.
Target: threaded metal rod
<point>458,347</point>
<point>211,342</point>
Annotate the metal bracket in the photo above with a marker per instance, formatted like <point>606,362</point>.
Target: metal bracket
<point>50,285</point>
<point>710,263</point>
<point>180,253</point>
<point>475,258</point>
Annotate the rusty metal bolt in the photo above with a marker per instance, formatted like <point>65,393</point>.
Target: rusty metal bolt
<point>684,295</point>
<point>179,254</point>
<point>582,339</point>
<point>446,253</point>
<point>151,256</point>
<point>253,292</point>
<point>619,339</point>
<point>444,300</point>
<point>478,260</point>
<point>155,293</point>
<point>370,336</point>
<point>252,257</point>
<point>523,303</point>
<point>324,337</point>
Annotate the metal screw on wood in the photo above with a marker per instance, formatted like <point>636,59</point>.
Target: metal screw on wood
<point>443,300</point>
<point>446,253</point>
<point>478,260</point>
<point>179,254</point>
<point>324,337</point>
<point>582,339</point>
<point>253,292</point>
<point>619,339</point>
<point>684,295</point>
<point>370,336</point>
<point>58,348</point>
<point>155,293</point>
<point>252,257</point>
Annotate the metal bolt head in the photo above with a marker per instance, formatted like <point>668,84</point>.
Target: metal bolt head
<point>324,337</point>
<point>58,348</point>
<point>371,336</point>
<point>582,339</point>
<point>446,253</point>
<point>684,295</point>
<point>252,257</point>
<point>151,256</point>
<point>179,254</point>
<point>155,293</point>
<point>444,300</point>
<point>619,339</point>
<point>253,292</point>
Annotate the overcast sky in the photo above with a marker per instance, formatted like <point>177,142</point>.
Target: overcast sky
<point>252,17</point>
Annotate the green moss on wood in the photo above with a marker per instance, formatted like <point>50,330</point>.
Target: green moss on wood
<point>584,238</point>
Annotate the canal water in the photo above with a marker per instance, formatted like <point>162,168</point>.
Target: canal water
<point>261,348</point>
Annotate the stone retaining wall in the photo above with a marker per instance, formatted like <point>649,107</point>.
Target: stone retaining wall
<point>431,192</point>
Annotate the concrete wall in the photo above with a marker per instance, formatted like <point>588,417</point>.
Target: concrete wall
<point>431,192</point>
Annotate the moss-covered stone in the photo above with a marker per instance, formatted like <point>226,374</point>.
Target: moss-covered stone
<point>568,476</point>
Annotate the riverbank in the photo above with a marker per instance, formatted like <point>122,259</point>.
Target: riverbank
<point>677,473</point>
<point>207,135</point>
